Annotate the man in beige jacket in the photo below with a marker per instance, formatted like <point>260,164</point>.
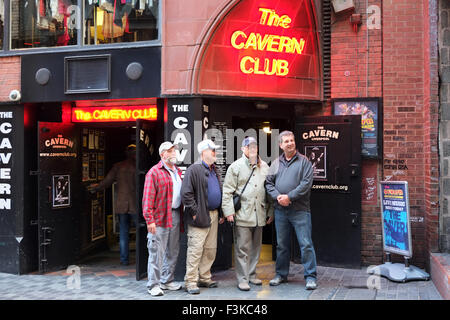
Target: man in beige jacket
<point>255,210</point>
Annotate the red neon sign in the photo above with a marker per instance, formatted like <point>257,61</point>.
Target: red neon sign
<point>268,48</point>
<point>114,114</point>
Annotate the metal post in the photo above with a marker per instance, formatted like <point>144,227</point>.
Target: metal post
<point>388,257</point>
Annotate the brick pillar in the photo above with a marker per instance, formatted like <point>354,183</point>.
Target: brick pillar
<point>444,132</point>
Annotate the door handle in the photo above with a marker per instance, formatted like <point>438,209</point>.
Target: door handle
<point>354,216</point>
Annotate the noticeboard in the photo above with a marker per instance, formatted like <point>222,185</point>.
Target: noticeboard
<point>395,217</point>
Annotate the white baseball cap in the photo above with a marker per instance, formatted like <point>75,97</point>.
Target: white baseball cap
<point>165,146</point>
<point>206,144</point>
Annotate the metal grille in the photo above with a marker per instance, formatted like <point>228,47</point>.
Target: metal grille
<point>326,48</point>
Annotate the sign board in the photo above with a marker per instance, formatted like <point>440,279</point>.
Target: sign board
<point>114,114</point>
<point>370,111</point>
<point>264,48</point>
<point>395,217</point>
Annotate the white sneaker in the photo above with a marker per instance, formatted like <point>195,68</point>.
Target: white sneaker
<point>156,291</point>
<point>172,286</point>
<point>311,284</point>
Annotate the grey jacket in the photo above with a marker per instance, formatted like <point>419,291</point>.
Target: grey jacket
<point>294,178</point>
<point>255,205</point>
<point>194,195</point>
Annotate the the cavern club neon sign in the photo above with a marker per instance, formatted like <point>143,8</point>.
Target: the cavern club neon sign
<point>241,40</point>
<point>114,114</point>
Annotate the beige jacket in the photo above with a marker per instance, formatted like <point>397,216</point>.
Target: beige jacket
<point>255,205</point>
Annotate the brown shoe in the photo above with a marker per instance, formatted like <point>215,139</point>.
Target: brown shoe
<point>243,286</point>
<point>255,281</point>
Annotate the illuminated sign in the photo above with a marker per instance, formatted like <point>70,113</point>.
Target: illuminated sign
<point>263,48</point>
<point>267,42</point>
<point>114,114</point>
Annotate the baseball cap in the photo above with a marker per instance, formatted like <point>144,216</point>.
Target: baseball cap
<point>206,144</point>
<point>165,146</point>
<point>248,140</point>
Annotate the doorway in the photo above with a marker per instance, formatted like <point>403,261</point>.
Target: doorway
<point>80,227</point>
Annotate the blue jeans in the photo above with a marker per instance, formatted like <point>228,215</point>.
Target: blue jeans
<point>301,221</point>
<point>124,223</point>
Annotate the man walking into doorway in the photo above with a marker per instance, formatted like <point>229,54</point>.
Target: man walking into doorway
<point>246,177</point>
<point>161,208</point>
<point>202,196</point>
<point>289,185</point>
<point>124,174</point>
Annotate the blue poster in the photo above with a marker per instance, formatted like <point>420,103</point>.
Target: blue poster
<point>395,214</point>
<point>369,111</point>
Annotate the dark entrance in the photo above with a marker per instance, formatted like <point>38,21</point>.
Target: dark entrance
<point>333,145</point>
<point>58,202</point>
<point>147,142</point>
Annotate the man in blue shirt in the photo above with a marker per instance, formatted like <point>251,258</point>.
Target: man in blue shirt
<point>201,194</point>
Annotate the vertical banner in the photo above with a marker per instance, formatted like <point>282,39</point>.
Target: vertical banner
<point>395,217</point>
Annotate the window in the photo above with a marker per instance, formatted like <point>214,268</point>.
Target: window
<point>43,23</point>
<point>58,23</point>
<point>2,21</point>
<point>112,21</point>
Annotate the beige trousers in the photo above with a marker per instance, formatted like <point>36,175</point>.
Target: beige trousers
<point>201,251</point>
<point>247,249</point>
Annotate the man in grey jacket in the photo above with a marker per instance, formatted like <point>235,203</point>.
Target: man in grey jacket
<point>289,185</point>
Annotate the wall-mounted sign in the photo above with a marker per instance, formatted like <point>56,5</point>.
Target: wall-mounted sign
<point>114,114</point>
<point>371,113</point>
<point>395,217</point>
<point>264,48</point>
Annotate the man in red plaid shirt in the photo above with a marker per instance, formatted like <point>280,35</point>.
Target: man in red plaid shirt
<point>161,208</point>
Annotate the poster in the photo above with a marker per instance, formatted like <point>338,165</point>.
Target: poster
<point>369,109</point>
<point>98,217</point>
<point>395,217</point>
<point>100,166</point>
<point>318,157</point>
<point>92,166</point>
<point>85,167</point>
<point>60,191</point>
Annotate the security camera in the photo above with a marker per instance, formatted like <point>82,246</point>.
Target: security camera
<point>14,95</point>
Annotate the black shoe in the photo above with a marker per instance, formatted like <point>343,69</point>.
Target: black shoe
<point>277,280</point>
<point>124,263</point>
<point>207,284</point>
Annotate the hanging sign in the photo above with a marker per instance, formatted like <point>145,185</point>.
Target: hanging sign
<point>114,114</point>
<point>395,217</point>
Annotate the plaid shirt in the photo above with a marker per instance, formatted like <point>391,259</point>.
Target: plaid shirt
<point>157,196</point>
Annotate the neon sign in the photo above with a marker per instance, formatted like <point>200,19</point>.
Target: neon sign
<point>263,48</point>
<point>114,114</point>
<point>268,42</point>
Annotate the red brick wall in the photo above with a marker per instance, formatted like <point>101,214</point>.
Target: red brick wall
<point>410,114</point>
<point>9,76</point>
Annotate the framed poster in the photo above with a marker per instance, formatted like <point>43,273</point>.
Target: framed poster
<point>395,217</point>
<point>371,120</point>
<point>92,166</point>
<point>318,157</point>
<point>60,191</point>
<point>98,217</point>
<point>85,167</point>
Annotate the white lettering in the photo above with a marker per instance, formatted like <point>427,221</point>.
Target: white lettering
<point>5,188</point>
<point>5,157</point>
<point>5,127</point>
<point>5,173</point>
<point>180,123</point>
<point>5,144</point>
<point>5,204</point>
